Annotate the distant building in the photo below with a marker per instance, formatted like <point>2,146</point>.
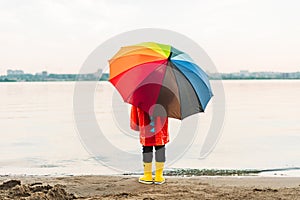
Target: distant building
<point>14,72</point>
<point>244,73</point>
<point>99,71</point>
<point>44,74</point>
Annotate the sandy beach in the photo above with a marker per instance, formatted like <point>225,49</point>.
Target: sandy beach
<point>127,187</point>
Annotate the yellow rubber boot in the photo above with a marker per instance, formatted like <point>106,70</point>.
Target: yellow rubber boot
<point>147,178</point>
<point>159,178</point>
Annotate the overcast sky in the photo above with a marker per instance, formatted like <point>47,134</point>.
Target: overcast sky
<point>58,35</point>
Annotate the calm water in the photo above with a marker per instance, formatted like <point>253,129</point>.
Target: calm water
<point>38,132</point>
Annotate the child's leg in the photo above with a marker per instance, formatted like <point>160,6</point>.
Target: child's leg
<point>147,154</point>
<point>160,153</point>
<point>160,158</point>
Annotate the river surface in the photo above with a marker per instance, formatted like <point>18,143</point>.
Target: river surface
<point>39,135</point>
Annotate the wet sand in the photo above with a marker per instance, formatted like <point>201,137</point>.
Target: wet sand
<point>127,187</point>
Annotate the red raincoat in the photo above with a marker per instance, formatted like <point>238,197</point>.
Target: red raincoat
<point>153,131</point>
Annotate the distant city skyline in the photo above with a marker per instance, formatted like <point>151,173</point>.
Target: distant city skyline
<point>21,76</point>
<point>21,71</point>
<point>57,36</point>
<point>16,70</point>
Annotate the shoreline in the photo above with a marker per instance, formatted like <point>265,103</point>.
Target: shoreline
<point>127,187</point>
<point>176,172</point>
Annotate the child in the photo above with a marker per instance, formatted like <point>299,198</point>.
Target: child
<point>153,133</point>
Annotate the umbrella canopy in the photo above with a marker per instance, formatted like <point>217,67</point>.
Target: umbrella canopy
<point>151,74</point>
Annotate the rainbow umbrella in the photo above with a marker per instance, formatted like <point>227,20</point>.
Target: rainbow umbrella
<point>153,76</point>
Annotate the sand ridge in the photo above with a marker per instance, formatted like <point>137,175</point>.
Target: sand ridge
<point>127,187</point>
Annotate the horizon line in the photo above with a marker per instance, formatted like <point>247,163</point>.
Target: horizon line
<point>240,71</point>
